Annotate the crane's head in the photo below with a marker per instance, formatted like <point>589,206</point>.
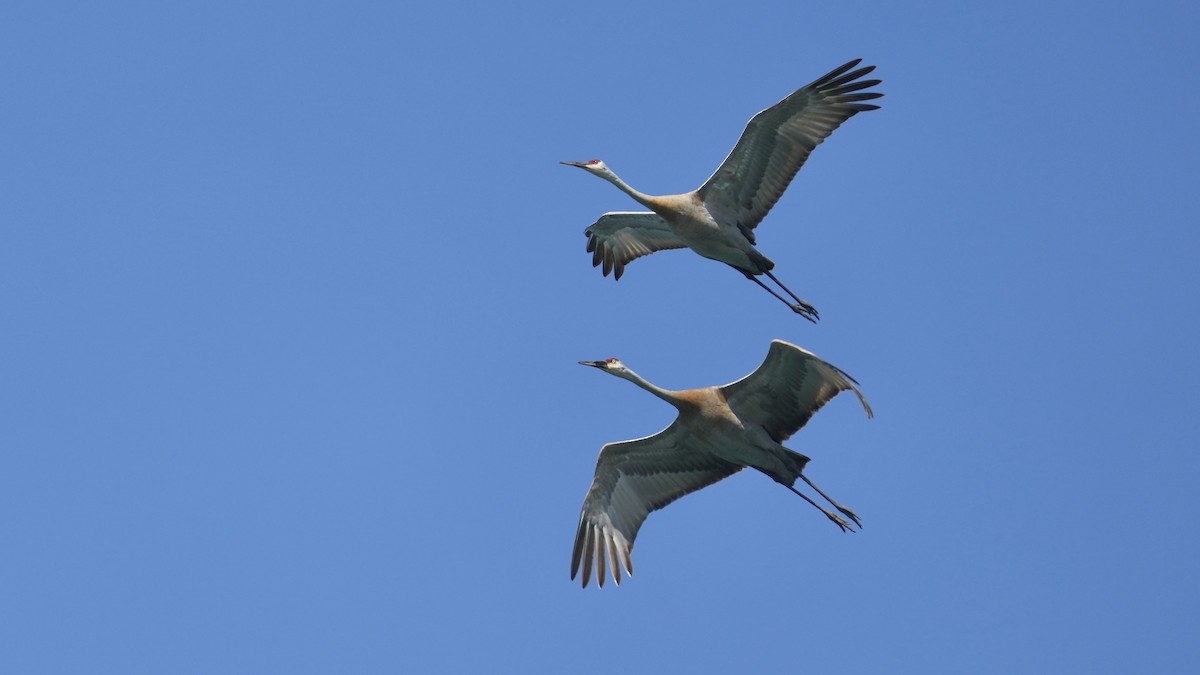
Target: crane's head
<point>609,365</point>
<point>593,166</point>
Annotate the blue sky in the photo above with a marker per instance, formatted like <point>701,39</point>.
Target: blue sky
<point>293,296</point>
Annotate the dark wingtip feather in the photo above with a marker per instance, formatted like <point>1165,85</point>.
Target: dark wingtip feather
<point>601,558</point>
<point>616,559</point>
<point>863,96</point>
<point>840,69</point>
<point>823,81</point>
<point>844,79</point>
<point>856,86</point>
<point>586,556</point>
<point>575,552</point>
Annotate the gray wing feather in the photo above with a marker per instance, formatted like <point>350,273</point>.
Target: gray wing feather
<point>776,143</point>
<point>632,479</point>
<point>788,388</point>
<point>619,237</point>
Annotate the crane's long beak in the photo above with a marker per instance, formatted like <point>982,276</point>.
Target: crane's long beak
<point>594,364</point>
<point>578,164</point>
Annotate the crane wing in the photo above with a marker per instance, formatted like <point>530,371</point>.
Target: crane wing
<point>776,143</point>
<point>632,479</point>
<point>788,388</point>
<point>619,237</point>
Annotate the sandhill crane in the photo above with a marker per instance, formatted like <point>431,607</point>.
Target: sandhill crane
<point>718,219</point>
<point>719,431</point>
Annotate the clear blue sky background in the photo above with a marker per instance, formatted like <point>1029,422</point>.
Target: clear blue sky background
<point>292,296</point>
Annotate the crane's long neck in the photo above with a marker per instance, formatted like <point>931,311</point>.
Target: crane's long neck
<point>642,198</point>
<point>665,394</point>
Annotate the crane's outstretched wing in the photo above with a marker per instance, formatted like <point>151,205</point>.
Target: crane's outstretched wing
<point>620,237</point>
<point>632,479</point>
<point>776,143</point>
<point>787,389</point>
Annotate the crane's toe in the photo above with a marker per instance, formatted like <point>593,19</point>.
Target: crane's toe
<point>839,521</point>
<point>849,514</point>
<point>807,311</point>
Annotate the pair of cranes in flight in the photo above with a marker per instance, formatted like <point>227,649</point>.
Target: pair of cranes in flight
<point>719,430</point>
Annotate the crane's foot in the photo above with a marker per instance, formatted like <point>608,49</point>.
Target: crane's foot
<point>807,311</point>
<point>849,514</point>
<point>839,521</point>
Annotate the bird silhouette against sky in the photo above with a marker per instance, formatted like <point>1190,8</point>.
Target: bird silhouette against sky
<point>719,431</point>
<point>718,219</point>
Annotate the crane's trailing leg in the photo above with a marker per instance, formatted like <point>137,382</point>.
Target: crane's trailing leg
<point>837,520</point>
<point>844,509</point>
<point>802,308</point>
